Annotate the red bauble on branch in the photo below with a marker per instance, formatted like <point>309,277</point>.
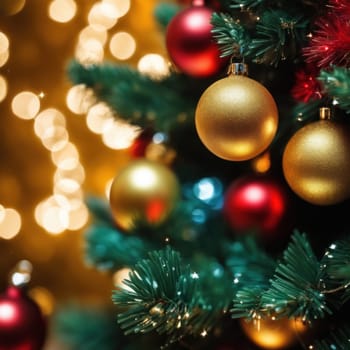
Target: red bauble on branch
<point>257,204</point>
<point>22,326</point>
<point>190,44</point>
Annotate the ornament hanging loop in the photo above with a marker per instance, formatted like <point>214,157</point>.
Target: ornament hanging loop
<point>325,113</point>
<point>237,69</point>
<point>21,274</point>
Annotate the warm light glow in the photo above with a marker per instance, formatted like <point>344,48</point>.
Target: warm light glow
<point>143,177</point>
<point>79,99</point>
<point>26,105</point>
<point>103,15</point>
<point>89,51</point>
<point>78,218</point>
<point>11,223</point>
<point>2,213</point>
<point>122,6</point>
<point>120,276</point>
<point>66,185</point>
<point>69,201</point>
<point>4,43</point>
<point>55,220</point>
<point>55,138</point>
<point>108,187</point>
<point>44,299</point>
<point>11,7</point>
<point>122,45</point>
<point>77,174</point>
<point>90,33</point>
<point>262,163</point>
<point>3,88</point>
<point>46,119</point>
<point>98,117</point>
<point>119,135</point>
<point>4,56</point>
<point>154,66</point>
<point>66,158</point>
<point>62,10</point>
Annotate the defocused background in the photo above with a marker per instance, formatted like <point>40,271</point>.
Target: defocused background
<point>53,153</point>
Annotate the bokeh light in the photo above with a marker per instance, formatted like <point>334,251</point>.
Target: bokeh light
<point>120,276</point>
<point>79,99</point>
<point>122,6</point>
<point>25,105</point>
<point>103,15</point>
<point>10,224</point>
<point>153,65</point>
<point>89,51</point>
<point>62,10</point>
<point>90,33</point>
<point>66,158</point>
<point>48,118</point>
<point>98,117</point>
<point>3,88</point>
<point>4,43</point>
<point>4,56</point>
<point>44,299</point>
<point>122,45</point>
<point>55,138</point>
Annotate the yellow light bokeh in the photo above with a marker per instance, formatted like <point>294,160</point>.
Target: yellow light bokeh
<point>66,158</point>
<point>120,276</point>
<point>77,174</point>
<point>55,138</point>
<point>98,116</point>
<point>48,118</point>
<point>62,10</point>
<point>3,88</point>
<point>89,33</point>
<point>122,6</point>
<point>89,52</point>
<point>119,135</point>
<point>153,65</point>
<point>79,98</point>
<point>122,45</point>
<point>4,56</point>
<point>4,43</point>
<point>44,299</point>
<point>102,16</point>
<point>25,105</point>
<point>10,224</point>
<point>78,218</point>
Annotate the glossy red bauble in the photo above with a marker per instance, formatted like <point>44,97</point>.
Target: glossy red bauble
<point>190,43</point>
<point>258,205</point>
<point>22,326</point>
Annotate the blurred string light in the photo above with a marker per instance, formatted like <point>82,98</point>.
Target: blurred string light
<point>62,10</point>
<point>10,222</point>
<point>122,45</point>
<point>3,88</point>
<point>209,190</point>
<point>120,276</point>
<point>65,208</point>
<point>262,163</point>
<point>153,65</point>
<point>25,105</point>
<point>4,49</point>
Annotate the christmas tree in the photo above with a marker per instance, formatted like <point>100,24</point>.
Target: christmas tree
<point>229,224</point>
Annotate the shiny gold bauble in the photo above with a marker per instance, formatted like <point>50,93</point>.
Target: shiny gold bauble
<point>143,191</point>
<point>316,162</point>
<point>236,118</point>
<point>273,333</point>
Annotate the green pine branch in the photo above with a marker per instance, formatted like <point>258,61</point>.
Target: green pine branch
<point>337,339</point>
<point>336,83</point>
<point>136,98</point>
<point>166,296</point>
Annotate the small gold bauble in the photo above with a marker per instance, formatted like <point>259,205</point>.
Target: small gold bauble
<point>273,333</point>
<point>144,190</point>
<point>236,118</point>
<point>316,162</point>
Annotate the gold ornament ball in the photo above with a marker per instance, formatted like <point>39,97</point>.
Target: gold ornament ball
<point>273,333</point>
<point>316,162</point>
<point>144,190</point>
<point>236,118</point>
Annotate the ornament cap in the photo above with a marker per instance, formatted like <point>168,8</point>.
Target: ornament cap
<point>237,69</point>
<point>325,113</point>
<point>21,274</point>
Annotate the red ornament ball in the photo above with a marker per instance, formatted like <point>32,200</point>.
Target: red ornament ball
<point>190,44</point>
<point>22,326</point>
<point>257,204</point>
<point>139,146</point>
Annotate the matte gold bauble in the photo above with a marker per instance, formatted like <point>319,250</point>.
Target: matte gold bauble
<point>316,162</point>
<point>273,333</point>
<point>236,118</point>
<point>145,190</point>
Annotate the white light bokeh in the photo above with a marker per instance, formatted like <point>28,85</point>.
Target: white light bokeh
<point>122,45</point>
<point>90,33</point>
<point>25,105</point>
<point>3,88</point>
<point>50,117</point>
<point>62,10</point>
<point>66,158</point>
<point>153,65</point>
<point>103,15</point>
<point>55,138</point>
<point>122,6</point>
<point>98,116</point>
<point>79,99</point>
<point>10,224</point>
<point>4,43</point>
<point>89,51</point>
<point>4,56</point>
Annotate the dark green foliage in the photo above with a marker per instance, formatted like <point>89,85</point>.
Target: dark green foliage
<point>337,85</point>
<point>87,328</point>
<point>168,297</point>
<point>164,12</point>
<point>339,339</point>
